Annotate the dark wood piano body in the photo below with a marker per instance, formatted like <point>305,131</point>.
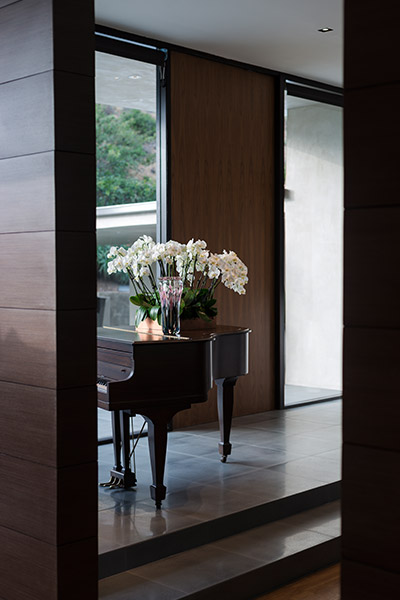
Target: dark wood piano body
<point>157,376</point>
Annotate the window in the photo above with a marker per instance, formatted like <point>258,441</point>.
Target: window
<point>130,141</point>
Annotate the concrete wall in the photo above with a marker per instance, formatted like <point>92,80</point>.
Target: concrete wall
<point>314,246</point>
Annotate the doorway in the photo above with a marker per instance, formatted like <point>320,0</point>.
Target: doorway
<point>313,220</point>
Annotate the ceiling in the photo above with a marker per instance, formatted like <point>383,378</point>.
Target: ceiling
<point>277,34</point>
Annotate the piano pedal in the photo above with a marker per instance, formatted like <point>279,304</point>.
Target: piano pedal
<point>116,485</point>
<point>119,484</point>
<point>109,483</point>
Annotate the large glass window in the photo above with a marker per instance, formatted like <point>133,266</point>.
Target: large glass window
<point>313,250</point>
<point>126,139</point>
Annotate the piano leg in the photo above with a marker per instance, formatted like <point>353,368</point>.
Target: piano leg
<point>157,447</point>
<point>225,409</point>
<point>157,422</point>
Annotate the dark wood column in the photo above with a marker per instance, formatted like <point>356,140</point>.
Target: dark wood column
<point>48,492</point>
<point>371,452</point>
<point>222,191</point>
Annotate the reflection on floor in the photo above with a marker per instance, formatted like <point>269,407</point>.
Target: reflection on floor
<point>301,394</point>
<point>281,461</point>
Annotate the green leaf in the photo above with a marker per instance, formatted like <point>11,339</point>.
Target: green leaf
<point>140,316</point>
<point>153,312</point>
<point>135,300</point>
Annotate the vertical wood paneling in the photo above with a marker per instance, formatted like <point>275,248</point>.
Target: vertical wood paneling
<point>47,301</point>
<point>371,411</point>
<point>222,191</point>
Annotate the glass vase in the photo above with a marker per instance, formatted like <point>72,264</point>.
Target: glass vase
<point>170,289</point>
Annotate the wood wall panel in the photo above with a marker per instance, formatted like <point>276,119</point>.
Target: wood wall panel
<point>222,191</point>
<point>74,289</point>
<point>28,346</point>
<point>4,3</point>
<point>26,41</point>
<point>28,102</point>
<point>47,329</point>
<point>371,248</point>
<point>28,190</point>
<point>79,56</point>
<point>371,43</point>
<point>42,578</point>
<point>371,497</point>
<point>371,456</point>
<point>362,581</point>
<point>76,559</point>
<point>20,255</point>
<point>75,173</point>
<point>43,412</point>
<point>372,132</point>
<point>70,402</point>
<point>371,379</point>
<point>43,502</point>
<point>27,193</point>
<point>35,407</point>
<point>28,49</point>
<point>77,366</point>
<point>39,580</point>
<point>28,503</point>
<point>26,105</point>
<point>74,96</point>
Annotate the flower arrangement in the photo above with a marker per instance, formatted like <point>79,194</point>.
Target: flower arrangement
<point>201,272</point>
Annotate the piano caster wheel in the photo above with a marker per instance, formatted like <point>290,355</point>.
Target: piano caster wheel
<point>223,459</point>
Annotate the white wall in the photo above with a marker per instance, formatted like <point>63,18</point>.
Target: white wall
<point>314,246</point>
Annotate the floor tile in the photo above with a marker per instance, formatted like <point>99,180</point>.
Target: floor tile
<point>289,426</point>
<point>190,570</point>
<point>313,467</point>
<point>324,519</point>
<point>135,523</point>
<point>272,542</point>
<point>127,586</point>
<point>270,484</point>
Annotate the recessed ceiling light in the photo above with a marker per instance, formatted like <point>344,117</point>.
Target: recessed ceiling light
<point>116,77</point>
<point>325,29</point>
<point>134,77</point>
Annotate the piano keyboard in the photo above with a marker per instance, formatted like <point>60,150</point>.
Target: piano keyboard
<point>102,385</point>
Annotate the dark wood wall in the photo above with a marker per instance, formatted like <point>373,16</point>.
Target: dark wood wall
<point>48,491</point>
<point>222,191</point>
<point>371,451</point>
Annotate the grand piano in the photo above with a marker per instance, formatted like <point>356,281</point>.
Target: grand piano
<point>157,376</point>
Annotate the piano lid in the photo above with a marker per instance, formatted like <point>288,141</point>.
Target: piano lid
<point>108,336</point>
